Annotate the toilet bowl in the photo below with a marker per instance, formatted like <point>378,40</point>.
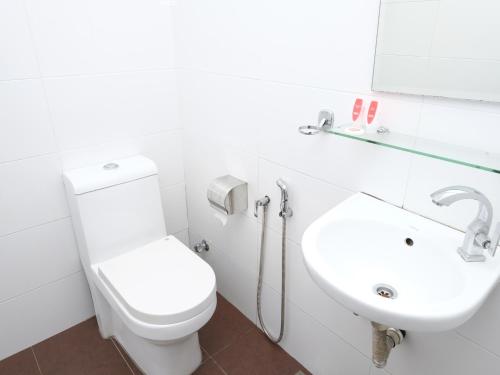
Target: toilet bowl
<point>150,292</point>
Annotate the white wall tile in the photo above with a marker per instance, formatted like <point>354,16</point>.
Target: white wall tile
<point>31,193</point>
<point>44,312</point>
<point>484,327</point>
<point>317,348</point>
<point>166,150</point>
<point>238,286</point>
<point>37,256</point>
<point>174,208</point>
<point>75,37</point>
<point>478,130</point>
<point>63,36</point>
<point>139,35</point>
<point>227,110</point>
<point>295,42</point>
<point>91,110</point>
<point>26,129</point>
<point>17,55</point>
<point>440,353</point>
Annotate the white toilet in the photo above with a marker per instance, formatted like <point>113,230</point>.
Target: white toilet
<point>150,291</point>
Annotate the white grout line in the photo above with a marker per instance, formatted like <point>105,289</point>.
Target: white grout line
<point>38,287</point>
<point>213,359</point>
<point>11,161</point>
<point>475,343</point>
<point>36,360</point>
<point>219,366</point>
<point>284,83</point>
<point>94,74</point>
<point>34,226</point>
<point>121,355</point>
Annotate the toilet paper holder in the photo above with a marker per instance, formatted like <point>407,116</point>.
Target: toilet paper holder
<point>228,195</point>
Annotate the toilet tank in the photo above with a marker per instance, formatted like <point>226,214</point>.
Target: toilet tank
<point>116,207</point>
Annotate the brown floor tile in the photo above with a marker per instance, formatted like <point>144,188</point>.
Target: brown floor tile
<point>226,325</point>
<point>208,368</point>
<point>80,351</point>
<point>238,348</point>
<point>22,363</point>
<point>253,354</point>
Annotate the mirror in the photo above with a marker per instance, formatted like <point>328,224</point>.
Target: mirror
<point>447,48</point>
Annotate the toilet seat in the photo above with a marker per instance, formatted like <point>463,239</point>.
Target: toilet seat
<point>160,285</point>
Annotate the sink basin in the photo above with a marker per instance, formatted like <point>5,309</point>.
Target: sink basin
<point>394,267</point>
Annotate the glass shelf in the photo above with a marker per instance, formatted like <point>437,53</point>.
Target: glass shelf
<point>486,161</point>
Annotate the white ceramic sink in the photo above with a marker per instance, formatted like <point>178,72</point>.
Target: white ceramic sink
<point>364,243</point>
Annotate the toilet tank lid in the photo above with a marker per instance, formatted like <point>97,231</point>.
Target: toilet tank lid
<point>87,179</point>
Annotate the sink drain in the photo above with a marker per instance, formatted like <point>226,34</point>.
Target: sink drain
<point>385,291</point>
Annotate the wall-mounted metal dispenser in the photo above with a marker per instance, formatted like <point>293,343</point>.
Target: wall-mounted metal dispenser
<point>227,195</point>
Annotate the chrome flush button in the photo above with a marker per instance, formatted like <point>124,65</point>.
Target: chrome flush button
<point>110,166</point>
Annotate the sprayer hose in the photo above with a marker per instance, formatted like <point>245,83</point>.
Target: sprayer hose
<point>283,279</point>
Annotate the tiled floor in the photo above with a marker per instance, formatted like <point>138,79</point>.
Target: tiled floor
<point>231,345</point>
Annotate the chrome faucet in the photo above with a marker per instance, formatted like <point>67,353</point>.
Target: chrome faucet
<point>476,237</point>
<point>284,209</point>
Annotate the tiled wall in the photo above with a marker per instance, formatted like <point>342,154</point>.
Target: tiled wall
<point>81,82</point>
<point>251,73</point>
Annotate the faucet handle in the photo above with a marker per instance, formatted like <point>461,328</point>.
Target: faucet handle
<point>495,239</point>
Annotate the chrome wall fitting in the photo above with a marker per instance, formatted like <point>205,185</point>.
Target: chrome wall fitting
<point>260,203</point>
<point>383,130</point>
<point>201,246</point>
<point>325,122</point>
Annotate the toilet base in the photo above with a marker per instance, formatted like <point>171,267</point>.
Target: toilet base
<point>176,357</point>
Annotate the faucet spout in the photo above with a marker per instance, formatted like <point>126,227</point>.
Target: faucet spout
<point>449,195</point>
<point>476,237</point>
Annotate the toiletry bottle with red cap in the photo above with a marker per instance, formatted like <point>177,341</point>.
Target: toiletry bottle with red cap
<point>357,126</point>
<point>371,117</point>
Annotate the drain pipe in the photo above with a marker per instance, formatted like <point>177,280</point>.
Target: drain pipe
<point>384,339</point>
